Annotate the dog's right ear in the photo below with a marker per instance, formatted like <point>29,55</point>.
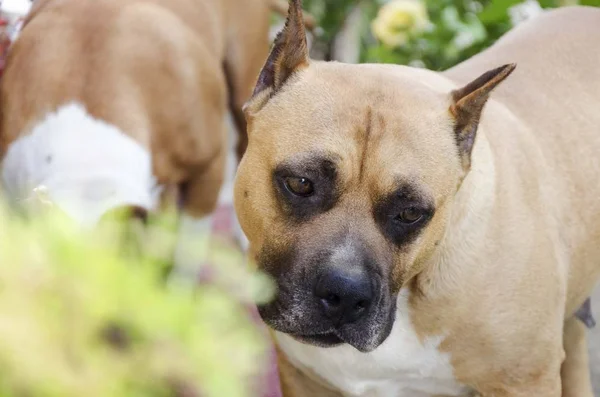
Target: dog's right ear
<point>288,55</point>
<point>467,106</point>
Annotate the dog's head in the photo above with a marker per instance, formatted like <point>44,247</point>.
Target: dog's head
<point>344,191</point>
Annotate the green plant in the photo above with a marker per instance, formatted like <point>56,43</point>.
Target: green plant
<point>80,318</point>
<point>458,29</point>
<point>455,33</point>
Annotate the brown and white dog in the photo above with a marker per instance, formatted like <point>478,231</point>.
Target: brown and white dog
<point>108,103</point>
<point>424,245</point>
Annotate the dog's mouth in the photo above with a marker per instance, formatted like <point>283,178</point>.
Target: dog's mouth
<point>362,336</point>
<point>329,339</point>
<point>308,326</point>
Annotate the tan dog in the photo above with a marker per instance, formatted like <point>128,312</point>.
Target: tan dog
<point>106,102</point>
<point>424,245</point>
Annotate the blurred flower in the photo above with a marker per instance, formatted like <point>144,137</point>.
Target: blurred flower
<point>417,63</point>
<point>398,19</point>
<point>475,6</point>
<point>469,33</point>
<point>451,18</point>
<point>524,11</point>
<point>464,39</point>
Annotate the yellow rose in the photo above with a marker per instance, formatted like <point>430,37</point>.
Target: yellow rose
<point>398,19</point>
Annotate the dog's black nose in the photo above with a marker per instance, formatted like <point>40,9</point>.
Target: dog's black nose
<point>345,296</point>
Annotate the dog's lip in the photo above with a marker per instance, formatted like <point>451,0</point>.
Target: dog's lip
<point>328,339</point>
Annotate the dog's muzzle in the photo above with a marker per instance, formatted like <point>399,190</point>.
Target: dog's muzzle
<point>333,297</point>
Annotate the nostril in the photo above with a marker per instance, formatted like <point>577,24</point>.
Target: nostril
<point>360,306</point>
<point>333,300</point>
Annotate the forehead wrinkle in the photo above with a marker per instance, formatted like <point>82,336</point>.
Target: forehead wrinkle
<point>369,137</point>
<point>364,136</point>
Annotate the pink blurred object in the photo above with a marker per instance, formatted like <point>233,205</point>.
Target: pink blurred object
<point>223,226</point>
<point>272,388</point>
<point>224,220</point>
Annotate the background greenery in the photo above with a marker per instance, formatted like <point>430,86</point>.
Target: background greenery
<point>83,317</point>
<point>437,48</point>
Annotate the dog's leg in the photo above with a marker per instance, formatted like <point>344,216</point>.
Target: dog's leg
<point>248,47</point>
<point>237,114</point>
<point>200,198</point>
<point>575,370</point>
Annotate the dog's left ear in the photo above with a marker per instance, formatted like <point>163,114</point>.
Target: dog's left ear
<point>467,105</point>
<point>288,55</point>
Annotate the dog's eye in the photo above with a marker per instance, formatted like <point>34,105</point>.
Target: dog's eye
<point>299,186</point>
<point>410,215</point>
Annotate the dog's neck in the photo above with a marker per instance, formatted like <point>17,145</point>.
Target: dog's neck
<point>475,197</point>
<point>469,217</point>
<point>86,166</point>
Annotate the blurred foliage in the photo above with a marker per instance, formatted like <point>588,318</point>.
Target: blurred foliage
<point>458,29</point>
<point>82,318</point>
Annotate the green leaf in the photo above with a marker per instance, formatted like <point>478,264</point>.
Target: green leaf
<point>496,11</point>
<point>549,3</point>
<point>79,319</point>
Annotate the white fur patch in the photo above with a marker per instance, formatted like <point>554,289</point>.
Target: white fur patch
<point>401,367</point>
<point>87,166</point>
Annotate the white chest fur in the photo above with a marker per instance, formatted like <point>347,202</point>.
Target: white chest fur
<point>87,165</point>
<point>401,367</point>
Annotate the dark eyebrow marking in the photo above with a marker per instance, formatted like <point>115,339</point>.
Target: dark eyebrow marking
<point>409,192</point>
<point>311,163</point>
